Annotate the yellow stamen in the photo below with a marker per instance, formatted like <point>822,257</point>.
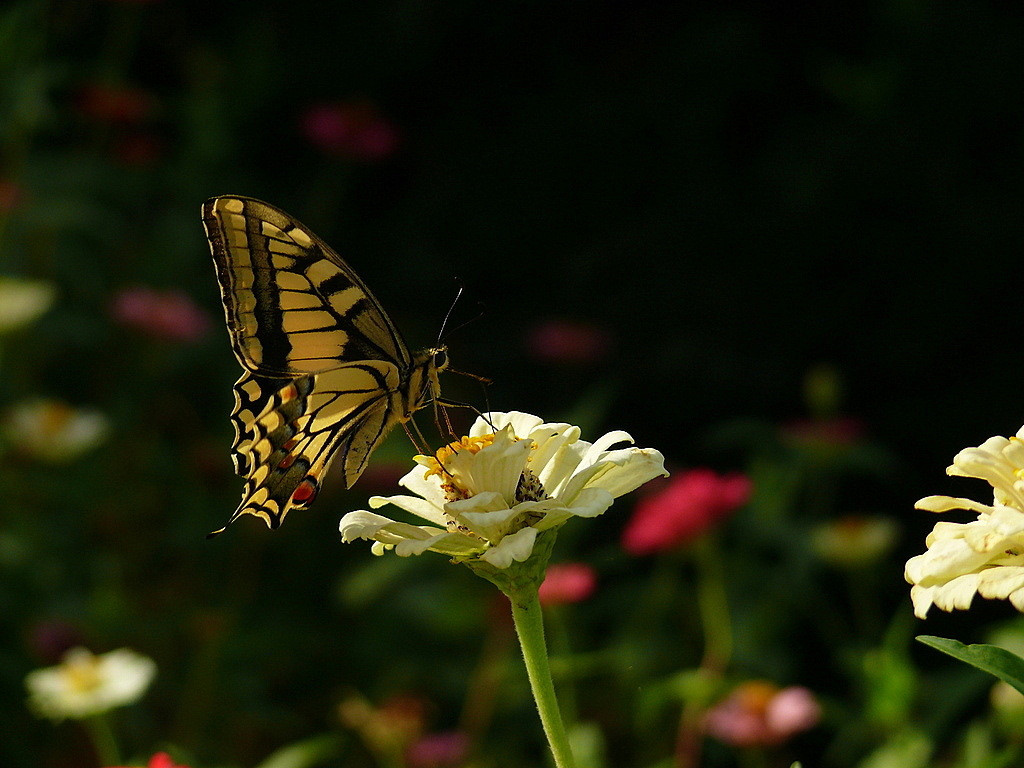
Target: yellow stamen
<point>444,454</point>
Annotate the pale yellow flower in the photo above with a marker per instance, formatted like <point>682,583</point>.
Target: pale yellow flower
<point>853,541</point>
<point>984,556</point>
<point>84,684</point>
<point>22,301</point>
<point>52,430</point>
<point>488,497</point>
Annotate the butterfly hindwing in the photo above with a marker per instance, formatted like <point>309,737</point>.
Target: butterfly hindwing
<point>326,373</point>
<point>286,438</point>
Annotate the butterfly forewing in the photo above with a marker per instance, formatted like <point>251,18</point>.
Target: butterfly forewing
<point>326,372</point>
<point>292,304</point>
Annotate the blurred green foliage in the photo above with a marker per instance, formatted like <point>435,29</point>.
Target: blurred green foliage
<point>725,200</point>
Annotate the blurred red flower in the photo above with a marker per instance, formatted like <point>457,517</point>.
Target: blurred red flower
<point>163,760</point>
<point>758,714</point>
<point>838,432</point>
<point>108,104</point>
<point>10,195</point>
<point>688,505</point>
<point>168,315</point>
<point>567,583</point>
<point>355,130</point>
<point>138,148</point>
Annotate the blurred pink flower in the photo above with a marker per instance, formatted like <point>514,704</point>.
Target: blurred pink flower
<point>568,341</point>
<point>50,639</point>
<point>168,315</point>
<point>355,130</point>
<point>163,760</point>
<point>567,583</point>
<point>438,750</point>
<point>687,506</point>
<point>758,713</point>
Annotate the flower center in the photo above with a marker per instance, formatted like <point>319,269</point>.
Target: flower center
<point>529,487</point>
<point>436,465</point>
<point>82,673</point>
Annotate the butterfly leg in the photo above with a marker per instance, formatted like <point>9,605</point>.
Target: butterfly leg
<point>419,442</point>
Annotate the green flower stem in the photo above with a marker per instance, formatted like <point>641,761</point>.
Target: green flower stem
<point>567,671</point>
<point>103,740</point>
<point>714,604</point>
<point>716,623</point>
<point>520,582</point>
<point>529,621</point>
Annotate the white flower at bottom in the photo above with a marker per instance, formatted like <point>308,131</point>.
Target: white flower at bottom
<point>489,496</point>
<point>984,556</point>
<point>84,684</point>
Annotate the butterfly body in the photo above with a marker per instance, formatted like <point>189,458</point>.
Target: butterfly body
<point>326,373</point>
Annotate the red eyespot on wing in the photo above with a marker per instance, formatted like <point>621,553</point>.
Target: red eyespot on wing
<point>287,461</point>
<point>305,492</point>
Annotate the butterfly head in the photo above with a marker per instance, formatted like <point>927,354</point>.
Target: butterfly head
<point>437,361</point>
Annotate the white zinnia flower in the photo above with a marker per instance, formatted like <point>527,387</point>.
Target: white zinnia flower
<point>489,496</point>
<point>984,556</point>
<point>84,684</point>
<point>54,431</point>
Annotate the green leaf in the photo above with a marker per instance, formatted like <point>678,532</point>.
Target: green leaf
<point>316,750</point>
<point>989,658</point>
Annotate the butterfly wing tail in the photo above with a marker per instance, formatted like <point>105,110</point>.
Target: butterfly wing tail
<point>287,435</point>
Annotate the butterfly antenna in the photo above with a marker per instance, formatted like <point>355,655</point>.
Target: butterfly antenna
<point>448,315</point>
<point>445,331</point>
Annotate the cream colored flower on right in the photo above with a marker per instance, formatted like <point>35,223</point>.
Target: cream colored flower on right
<point>985,556</point>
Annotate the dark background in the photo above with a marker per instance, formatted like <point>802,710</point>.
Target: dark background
<point>726,196</point>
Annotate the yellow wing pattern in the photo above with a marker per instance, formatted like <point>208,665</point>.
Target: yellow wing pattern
<point>326,372</point>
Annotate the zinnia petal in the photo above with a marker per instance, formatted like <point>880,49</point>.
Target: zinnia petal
<point>366,525</point>
<point>984,556</point>
<point>620,472</point>
<point>424,508</point>
<point>517,546</point>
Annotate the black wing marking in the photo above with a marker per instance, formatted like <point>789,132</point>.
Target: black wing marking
<point>292,305</point>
